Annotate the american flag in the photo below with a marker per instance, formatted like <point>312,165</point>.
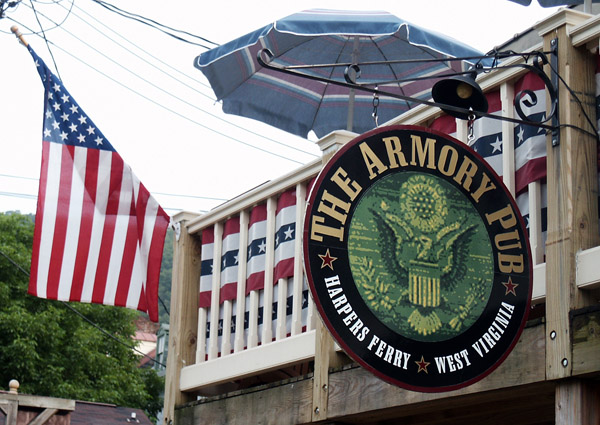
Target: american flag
<point>99,234</point>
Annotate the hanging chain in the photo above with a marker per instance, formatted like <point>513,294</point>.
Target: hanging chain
<point>375,105</point>
<point>470,122</point>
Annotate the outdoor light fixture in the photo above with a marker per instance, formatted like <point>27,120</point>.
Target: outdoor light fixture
<point>461,91</point>
<point>458,94</point>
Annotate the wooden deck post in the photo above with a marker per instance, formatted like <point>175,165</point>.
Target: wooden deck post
<point>183,326</point>
<point>325,353</point>
<point>572,205</point>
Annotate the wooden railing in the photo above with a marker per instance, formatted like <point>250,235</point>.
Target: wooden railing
<point>236,339</point>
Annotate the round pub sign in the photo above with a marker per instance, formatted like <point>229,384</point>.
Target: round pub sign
<point>417,258</point>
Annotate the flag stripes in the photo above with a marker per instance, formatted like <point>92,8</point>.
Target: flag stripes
<point>99,234</point>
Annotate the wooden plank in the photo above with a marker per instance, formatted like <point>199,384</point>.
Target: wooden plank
<point>588,272</point>
<point>517,392</point>
<point>10,409</point>
<point>287,404</point>
<point>42,402</point>
<point>572,193</point>
<point>577,402</point>
<point>357,391</point>
<point>249,362</point>
<point>43,417</point>
<point>586,343</point>
<point>184,313</point>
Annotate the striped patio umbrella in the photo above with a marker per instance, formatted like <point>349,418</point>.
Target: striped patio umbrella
<point>299,105</point>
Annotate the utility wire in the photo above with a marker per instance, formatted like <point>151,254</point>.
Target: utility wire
<point>150,22</point>
<point>105,332</point>
<point>208,198</point>
<point>172,77</point>
<point>164,91</point>
<point>45,39</point>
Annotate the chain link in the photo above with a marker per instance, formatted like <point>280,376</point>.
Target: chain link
<point>375,105</point>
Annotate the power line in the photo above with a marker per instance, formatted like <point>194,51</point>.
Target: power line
<point>172,77</point>
<point>208,198</point>
<point>164,91</point>
<point>151,23</point>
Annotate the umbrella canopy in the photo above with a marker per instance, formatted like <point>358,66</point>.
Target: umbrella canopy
<point>554,3</point>
<point>299,105</point>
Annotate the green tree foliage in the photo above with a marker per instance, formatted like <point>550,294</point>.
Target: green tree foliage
<point>52,351</point>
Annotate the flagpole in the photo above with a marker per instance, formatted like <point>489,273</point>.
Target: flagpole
<point>17,33</point>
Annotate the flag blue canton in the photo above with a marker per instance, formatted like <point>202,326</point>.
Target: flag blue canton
<point>64,121</point>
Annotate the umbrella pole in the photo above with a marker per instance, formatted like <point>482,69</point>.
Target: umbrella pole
<point>352,93</point>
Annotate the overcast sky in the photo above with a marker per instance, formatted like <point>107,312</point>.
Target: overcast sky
<point>140,88</point>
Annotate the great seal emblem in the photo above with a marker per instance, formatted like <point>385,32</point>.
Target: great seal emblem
<point>417,258</point>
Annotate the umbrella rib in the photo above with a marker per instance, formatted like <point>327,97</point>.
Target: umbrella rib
<point>392,69</point>
<point>326,86</point>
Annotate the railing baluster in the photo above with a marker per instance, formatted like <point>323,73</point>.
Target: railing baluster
<point>241,283</point>
<point>280,329</point>
<point>507,95</point>
<point>201,342</point>
<point>535,222</point>
<point>267,330</point>
<point>253,321</point>
<point>226,340</point>
<point>298,261</point>
<point>213,349</point>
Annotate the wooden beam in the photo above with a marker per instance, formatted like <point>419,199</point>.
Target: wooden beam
<point>10,409</point>
<point>43,417</point>
<point>355,396</point>
<point>577,402</point>
<point>184,314</point>
<point>572,191</point>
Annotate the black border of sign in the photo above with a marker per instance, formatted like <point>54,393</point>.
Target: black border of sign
<point>521,226</point>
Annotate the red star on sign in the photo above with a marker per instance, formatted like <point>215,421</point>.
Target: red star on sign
<point>327,259</point>
<point>510,286</point>
<point>422,365</point>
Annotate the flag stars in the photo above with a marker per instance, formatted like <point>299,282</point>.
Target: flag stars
<point>55,125</point>
<point>63,136</point>
<point>520,135</point>
<point>47,132</point>
<point>99,140</point>
<point>56,87</point>
<point>262,247</point>
<point>50,95</point>
<point>90,130</point>
<point>289,233</point>
<point>65,116</point>
<point>74,109</point>
<point>56,106</point>
<point>82,119</point>
<point>73,127</point>
<point>65,98</point>
<point>48,114</point>
<point>81,138</point>
<point>497,145</point>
